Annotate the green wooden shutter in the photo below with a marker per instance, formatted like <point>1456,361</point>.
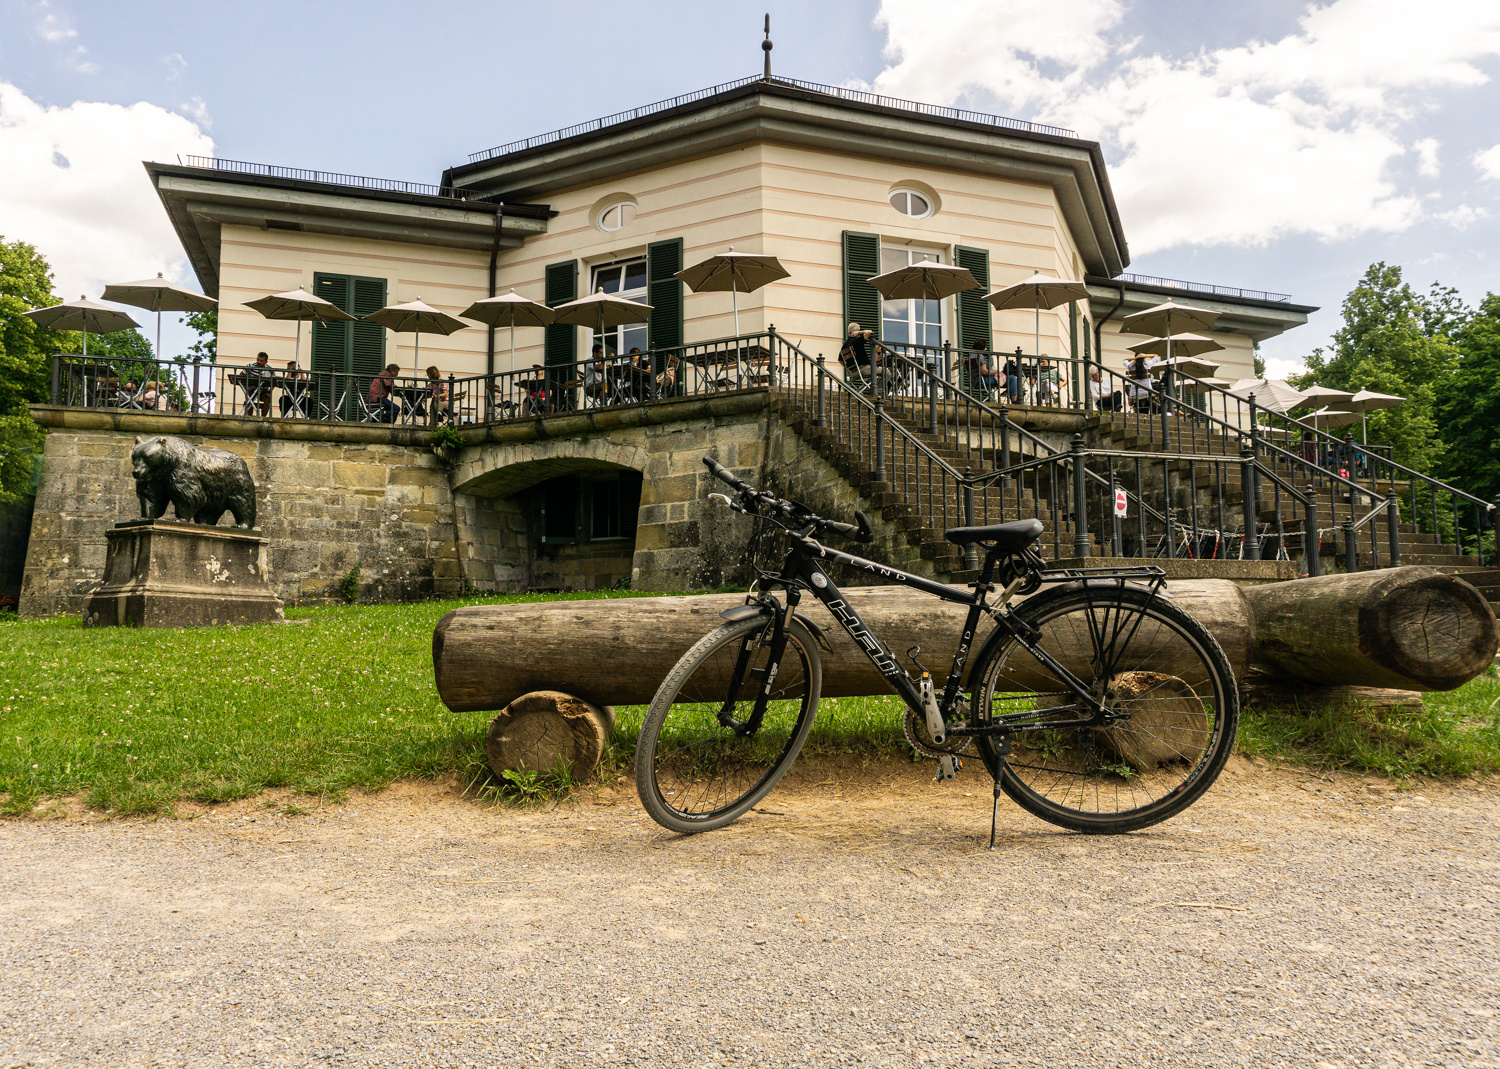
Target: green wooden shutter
<point>664,293</point>
<point>562,339</point>
<point>367,340</point>
<point>861,263</point>
<point>975,327</point>
<point>330,341</point>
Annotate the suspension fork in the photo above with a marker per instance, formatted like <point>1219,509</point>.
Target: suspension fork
<point>780,619</point>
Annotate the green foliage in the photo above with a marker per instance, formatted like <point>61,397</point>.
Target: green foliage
<point>20,440</point>
<point>1468,406</point>
<point>25,349</point>
<point>349,585</point>
<point>446,436</point>
<point>206,348</point>
<point>1387,344</point>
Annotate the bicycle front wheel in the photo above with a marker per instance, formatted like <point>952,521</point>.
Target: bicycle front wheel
<point>703,759</point>
<point>1144,659</point>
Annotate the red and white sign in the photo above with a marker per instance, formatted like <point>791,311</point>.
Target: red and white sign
<point>1119,502</point>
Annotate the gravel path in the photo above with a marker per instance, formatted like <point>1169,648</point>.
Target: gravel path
<point>1288,919</point>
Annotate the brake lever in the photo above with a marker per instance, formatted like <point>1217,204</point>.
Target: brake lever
<point>724,498</point>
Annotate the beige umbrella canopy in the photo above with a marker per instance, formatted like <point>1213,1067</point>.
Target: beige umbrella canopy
<point>82,314</point>
<point>737,272</point>
<point>924,281</point>
<point>1182,346</point>
<point>509,310</point>
<point>601,311</point>
<point>1273,395</point>
<point>301,306</point>
<point>1318,396</point>
<point>158,295</point>
<point>416,317</point>
<point>1326,419</point>
<point>1192,366</point>
<point>1163,319</point>
<point>1368,401</point>
<point>1038,292</point>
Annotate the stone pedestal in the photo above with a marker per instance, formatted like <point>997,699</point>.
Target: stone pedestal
<point>166,573</point>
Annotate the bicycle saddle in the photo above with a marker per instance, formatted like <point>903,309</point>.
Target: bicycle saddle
<point>1007,537</point>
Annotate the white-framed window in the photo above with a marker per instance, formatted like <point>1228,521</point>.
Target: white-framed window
<point>910,202</point>
<point>624,278</point>
<point>913,322</point>
<point>617,216</point>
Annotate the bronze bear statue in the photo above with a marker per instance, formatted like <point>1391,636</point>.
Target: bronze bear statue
<point>200,484</point>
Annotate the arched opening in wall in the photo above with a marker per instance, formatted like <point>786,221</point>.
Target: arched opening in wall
<point>583,527</point>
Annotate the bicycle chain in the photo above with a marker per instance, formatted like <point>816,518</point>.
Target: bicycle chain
<point>915,729</point>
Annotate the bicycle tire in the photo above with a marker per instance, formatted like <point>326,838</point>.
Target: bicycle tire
<point>693,774</point>
<point>1171,675</point>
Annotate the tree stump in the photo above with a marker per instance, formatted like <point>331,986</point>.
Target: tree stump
<point>1166,722</point>
<point>546,730</point>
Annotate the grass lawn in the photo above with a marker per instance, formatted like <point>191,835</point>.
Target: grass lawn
<point>134,720</point>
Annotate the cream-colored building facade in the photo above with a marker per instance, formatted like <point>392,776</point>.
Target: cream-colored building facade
<point>765,166</point>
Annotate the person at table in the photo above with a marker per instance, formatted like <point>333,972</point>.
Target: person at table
<point>858,358</point>
<point>1112,402</point>
<point>258,379</point>
<point>381,388</point>
<point>1140,387</point>
<point>666,379</point>
<point>535,389</point>
<point>595,383</point>
<point>1013,376</point>
<point>294,386</point>
<point>639,371</point>
<point>1050,382</point>
<point>980,370</point>
<point>439,393</point>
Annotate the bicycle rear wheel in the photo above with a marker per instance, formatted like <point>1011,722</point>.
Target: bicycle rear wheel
<point>699,764</point>
<point>1139,655</point>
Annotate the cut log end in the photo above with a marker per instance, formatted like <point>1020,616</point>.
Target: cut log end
<point>547,730</point>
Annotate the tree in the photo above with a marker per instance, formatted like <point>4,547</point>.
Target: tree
<point>1395,341</point>
<point>25,351</point>
<point>1468,405</point>
<point>206,348</point>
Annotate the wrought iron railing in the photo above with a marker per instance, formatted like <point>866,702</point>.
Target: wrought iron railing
<point>387,185</point>
<point>856,95</point>
<point>1203,287</point>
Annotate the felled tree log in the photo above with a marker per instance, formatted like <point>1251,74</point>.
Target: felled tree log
<point>1410,628</point>
<point>617,652</point>
<point>545,729</point>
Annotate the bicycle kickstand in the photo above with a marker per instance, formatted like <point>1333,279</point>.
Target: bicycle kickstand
<point>994,814</point>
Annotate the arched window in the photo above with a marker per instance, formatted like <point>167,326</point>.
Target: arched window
<point>910,202</point>
<point>617,216</point>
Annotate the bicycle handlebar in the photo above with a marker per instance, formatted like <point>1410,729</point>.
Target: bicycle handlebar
<point>797,513</point>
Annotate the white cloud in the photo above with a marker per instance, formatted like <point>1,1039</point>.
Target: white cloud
<point>1238,145</point>
<point>1427,157</point>
<point>1488,162</point>
<point>175,65</point>
<point>74,187</point>
<point>1462,217</point>
<point>53,31</point>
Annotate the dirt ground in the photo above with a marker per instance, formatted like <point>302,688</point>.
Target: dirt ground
<point>1288,919</point>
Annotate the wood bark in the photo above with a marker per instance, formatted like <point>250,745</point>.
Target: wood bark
<point>617,652</point>
<point>1410,628</point>
<point>546,728</point>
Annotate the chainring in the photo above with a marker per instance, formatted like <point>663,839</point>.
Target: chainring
<point>915,728</point>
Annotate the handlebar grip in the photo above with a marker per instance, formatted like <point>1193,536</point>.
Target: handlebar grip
<point>723,474</point>
<point>843,530</point>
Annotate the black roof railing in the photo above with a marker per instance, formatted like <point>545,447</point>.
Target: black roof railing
<point>385,185</point>
<point>1203,287</point>
<point>856,95</point>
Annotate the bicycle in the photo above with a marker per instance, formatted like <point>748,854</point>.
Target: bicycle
<point>1097,704</point>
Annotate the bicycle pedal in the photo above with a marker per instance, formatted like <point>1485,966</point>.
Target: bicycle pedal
<point>947,768</point>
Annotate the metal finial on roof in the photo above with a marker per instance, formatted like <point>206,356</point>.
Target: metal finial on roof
<point>766,47</point>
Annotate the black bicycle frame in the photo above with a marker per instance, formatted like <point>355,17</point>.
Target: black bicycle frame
<point>802,569</point>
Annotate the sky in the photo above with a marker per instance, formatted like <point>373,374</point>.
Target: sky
<point>1274,145</point>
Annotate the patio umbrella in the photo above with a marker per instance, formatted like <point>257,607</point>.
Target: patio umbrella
<point>924,281</point>
<point>158,295</point>
<point>509,310</point>
<point>415,317</point>
<point>1163,319</point>
<point>1318,396</point>
<point>1038,292</point>
<point>1327,418</point>
<point>600,311</point>
<point>1184,347</point>
<point>737,272</point>
<point>82,314</point>
<point>1367,401</point>
<point>1273,395</point>
<point>301,306</point>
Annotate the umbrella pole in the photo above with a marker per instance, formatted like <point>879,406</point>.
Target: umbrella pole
<point>1364,428</point>
<point>513,345</point>
<point>158,334</point>
<point>85,342</point>
<point>297,352</point>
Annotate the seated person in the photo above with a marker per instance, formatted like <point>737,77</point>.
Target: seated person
<point>1114,402</point>
<point>638,374</point>
<point>1140,388</point>
<point>595,385</point>
<point>979,373</point>
<point>1050,382</point>
<point>437,392</point>
<point>259,378</point>
<point>1013,377</point>
<point>379,397</point>
<point>666,379</point>
<point>294,389</point>
<point>858,358</point>
<point>535,389</point>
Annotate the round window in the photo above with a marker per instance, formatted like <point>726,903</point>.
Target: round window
<point>617,216</point>
<point>910,202</point>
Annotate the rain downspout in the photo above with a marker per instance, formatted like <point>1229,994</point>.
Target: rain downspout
<point>1099,348</point>
<point>489,353</point>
